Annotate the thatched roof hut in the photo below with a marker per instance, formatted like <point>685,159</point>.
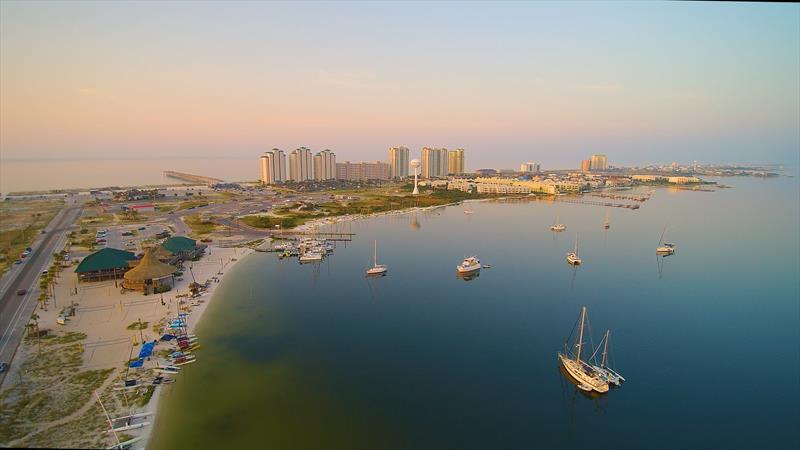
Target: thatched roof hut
<point>149,275</point>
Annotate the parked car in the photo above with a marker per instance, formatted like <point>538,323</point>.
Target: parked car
<point>141,228</point>
<point>3,367</point>
<point>206,240</point>
<point>44,272</point>
<point>22,292</point>
<point>19,261</point>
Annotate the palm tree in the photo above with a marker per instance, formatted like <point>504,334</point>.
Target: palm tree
<point>35,319</point>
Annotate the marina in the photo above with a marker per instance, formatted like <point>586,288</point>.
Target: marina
<point>281,327</point>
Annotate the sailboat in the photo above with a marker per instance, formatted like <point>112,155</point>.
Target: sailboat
<point>572,257</point>
<point>606,224</point>
<point>558,227</point>
<point>585,374</point>
<point>606,372</point>
<point>376,269</point>
<point>664,248</point>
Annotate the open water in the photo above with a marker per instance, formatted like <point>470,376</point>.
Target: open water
<point>319,356</point>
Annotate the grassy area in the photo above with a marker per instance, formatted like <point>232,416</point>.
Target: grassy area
<point>199,226</point>
<point>191,204</point>
<point>366,203</point>
<point>137,326</point>
<point>20,223</point>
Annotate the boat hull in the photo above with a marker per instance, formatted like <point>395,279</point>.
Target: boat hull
<point>577,373</point>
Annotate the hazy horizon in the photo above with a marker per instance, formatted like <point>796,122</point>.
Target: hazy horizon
<point>510,82</point>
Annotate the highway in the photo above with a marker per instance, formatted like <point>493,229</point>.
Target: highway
<point>15,310</point>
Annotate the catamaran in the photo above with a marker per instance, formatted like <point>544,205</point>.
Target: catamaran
<point>376,269</point>
<point>558,227</point>
<point>610,375</point>
<point>470,264</point>
<point>585,374</point>
<point>572,257</point>
<point>664,248</point>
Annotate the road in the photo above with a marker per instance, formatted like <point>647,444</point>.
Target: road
<point>15,310</point>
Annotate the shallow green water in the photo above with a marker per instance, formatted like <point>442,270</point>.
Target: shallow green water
<point>318,356</point>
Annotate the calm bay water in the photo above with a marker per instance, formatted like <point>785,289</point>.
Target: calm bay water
<point>321,357</point>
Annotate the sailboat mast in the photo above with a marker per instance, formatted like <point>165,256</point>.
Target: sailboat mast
<point>580,337</point>
<point>576,243</point>
<point>375,257</point>
<point>605,349</point>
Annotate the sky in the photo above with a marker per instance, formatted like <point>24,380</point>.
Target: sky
<point>509,82</point>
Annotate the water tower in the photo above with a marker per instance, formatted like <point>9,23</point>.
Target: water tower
<point>415,165</point>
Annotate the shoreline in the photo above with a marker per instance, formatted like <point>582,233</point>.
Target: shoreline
<point>197,313</point>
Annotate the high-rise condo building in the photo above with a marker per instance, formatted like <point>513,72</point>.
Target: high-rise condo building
<point>301,164</point>
<point>529,167</point>
<point>455,162</point>
<point>398,162</point>
<point>434,162</point>
<point>359,171</point>
<point>586,165</point>
<point>273,166</point>
<point>599,162</point>
<point>325,165</point>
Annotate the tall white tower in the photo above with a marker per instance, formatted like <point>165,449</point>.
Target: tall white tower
<point>415,165</point>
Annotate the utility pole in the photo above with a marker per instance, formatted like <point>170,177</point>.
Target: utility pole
<point>141,335</point>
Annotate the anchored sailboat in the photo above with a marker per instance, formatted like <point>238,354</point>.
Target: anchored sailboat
<point>572,257</point>
<point>664,248</point>
<point>611,376</point>
<point>377,269</point>
<point>587,377</point>
<point>606,224</point>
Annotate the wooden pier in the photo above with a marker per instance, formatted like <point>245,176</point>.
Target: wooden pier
<point>583,201</point>
<point>192,178</point>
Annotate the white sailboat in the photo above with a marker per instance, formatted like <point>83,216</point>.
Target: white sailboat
<point>377,269</point>
<point>572,257</point>
<point>603,370</point>
<point>587,377</point>
<point>558,227</point>
<point>664,248</point>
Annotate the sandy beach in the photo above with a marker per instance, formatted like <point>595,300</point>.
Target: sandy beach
<point>108,319</point>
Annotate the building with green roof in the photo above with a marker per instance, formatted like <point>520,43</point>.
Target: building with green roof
<point>105,264</point>
<point>179,248</point>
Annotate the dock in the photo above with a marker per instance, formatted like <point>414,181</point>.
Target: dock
<point>192,178</point>
<point>592,202</point>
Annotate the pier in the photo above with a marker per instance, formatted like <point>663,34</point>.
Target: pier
<point>330,236</point>
<point>594,202</point>
<point>192,178</point>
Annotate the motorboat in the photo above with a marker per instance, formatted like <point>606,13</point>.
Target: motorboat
<point>558,227</point>
<point>312,256</point>
<point>470,264</point>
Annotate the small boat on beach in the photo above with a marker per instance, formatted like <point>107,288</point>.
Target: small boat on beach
<point>377,269</point>
<point>470,264</point>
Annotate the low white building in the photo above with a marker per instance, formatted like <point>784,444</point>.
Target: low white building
<point>683,180</point>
